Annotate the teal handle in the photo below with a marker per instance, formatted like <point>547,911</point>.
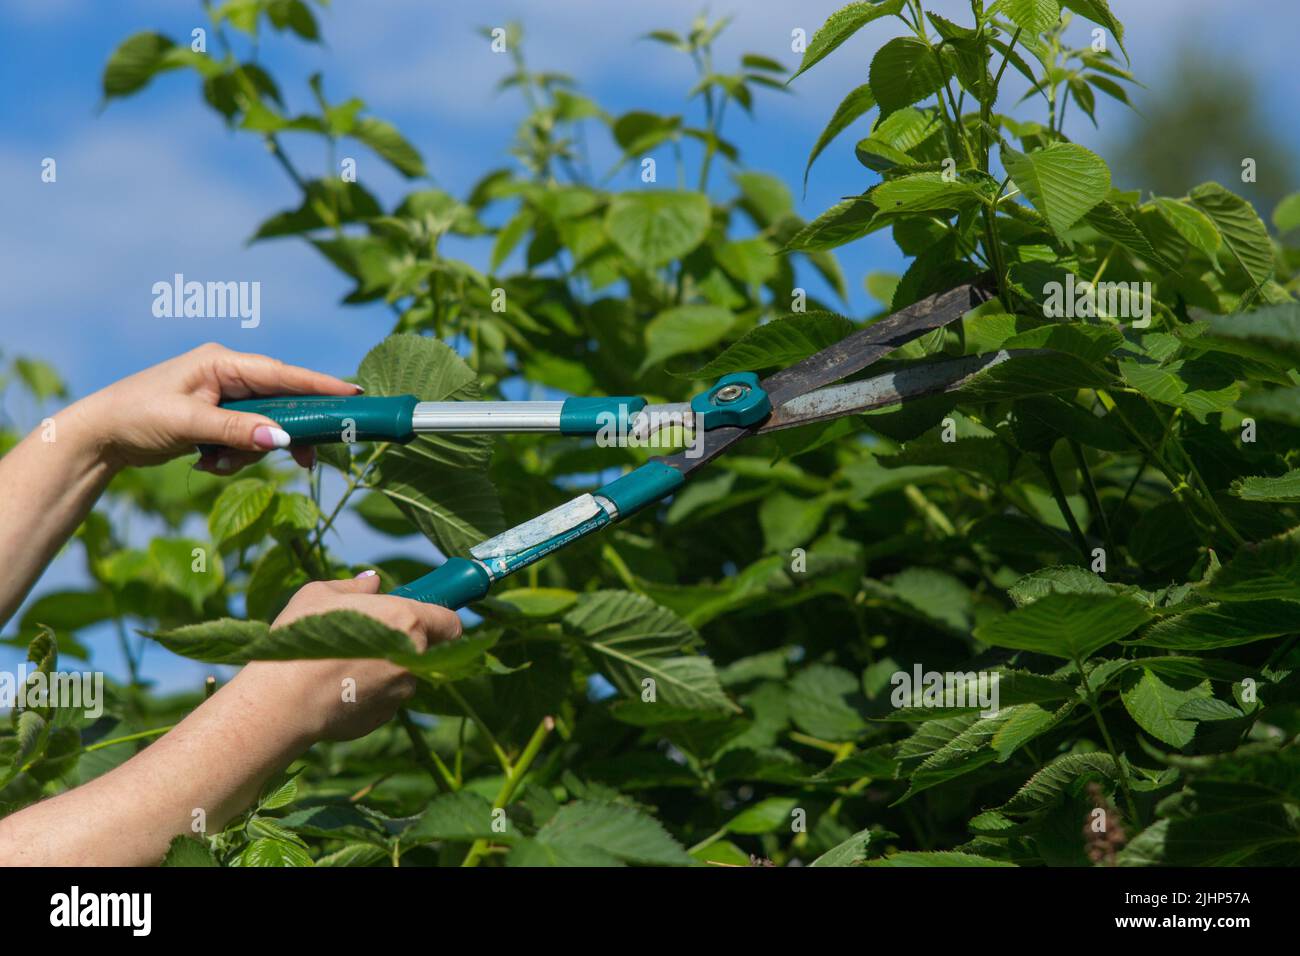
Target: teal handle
<point>456,583</point>
<point>317,419</point>
<point>587,416</point>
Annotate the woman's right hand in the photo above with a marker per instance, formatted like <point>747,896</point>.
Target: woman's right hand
<point>312,694</point>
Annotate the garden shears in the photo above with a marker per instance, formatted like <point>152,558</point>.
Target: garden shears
<point>735,407</point>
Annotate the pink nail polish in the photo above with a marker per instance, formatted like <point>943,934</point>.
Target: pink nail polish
<point>264,436</point>
<point>368,573</point>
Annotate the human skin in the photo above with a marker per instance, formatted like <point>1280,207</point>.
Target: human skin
<point>217,759</point>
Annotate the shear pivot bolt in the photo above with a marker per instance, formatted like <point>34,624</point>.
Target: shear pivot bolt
<point>729,393</point>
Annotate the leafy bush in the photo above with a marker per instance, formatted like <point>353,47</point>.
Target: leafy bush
<point>1110,527</point>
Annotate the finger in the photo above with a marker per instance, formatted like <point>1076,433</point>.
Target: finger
<point>435,624</point>
<point>367,582</point>
<point>304,456</point>
<point>242,374</point>
<point>226,461</point>
<point>211,424</point>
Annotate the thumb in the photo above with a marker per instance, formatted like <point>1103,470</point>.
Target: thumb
<point>241,430</point>
<point>367,582</point>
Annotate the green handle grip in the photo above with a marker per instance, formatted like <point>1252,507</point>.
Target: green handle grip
<point>459,581</point>
<point>318,419</point>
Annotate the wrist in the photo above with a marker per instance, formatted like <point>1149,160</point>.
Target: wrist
<point>87,434</point>
<point>281,694</point>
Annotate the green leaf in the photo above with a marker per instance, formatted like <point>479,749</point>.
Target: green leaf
<point>40,378</point>
<point>904,71</point>
<point>268,851</point>
<point>141,57</point>
<point>1044,788</point>
<point>617,831</point>
<point>931,858</point>
<point>385,140</point>
<point>1063,181</point>
<point>655,227</point>
<point>686,328</point>
<point>1153,704</point>
<point>778,343</point>
<point>1258,488</point>
<point>1243,232</point>
<point>845,221</point>
<point>463,817</point>
<point>1224,625</point>
<point>1266,571</point>
<point>858,102</point>
<point>827,702</point>
<point>1190,223</point>
<point>1270,334</point>
<point>1114,224</point>
<point>925,192</point>
<point>854,851</point>
<point>238,507</point>
<point>1036,16</point>
<point>1199,387</point>
<point>841,25</point>
<point>187,851</point>
<point>280,792</point>
<point>1065,625</point>
<point>1098,11</point>
<point>765,816</point>
<point>439,481</point>
<point>1286,215</point>
<point>635,640</point>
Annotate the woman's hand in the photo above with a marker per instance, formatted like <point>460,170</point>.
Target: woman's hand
<point>166,410</point>
<point>345,699</point>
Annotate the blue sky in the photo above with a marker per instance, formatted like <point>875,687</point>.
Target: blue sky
<point>155,185</point>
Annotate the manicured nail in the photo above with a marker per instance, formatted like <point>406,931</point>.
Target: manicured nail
<point>368,573</point>
<point>264,436</point>
<point>221,464</point>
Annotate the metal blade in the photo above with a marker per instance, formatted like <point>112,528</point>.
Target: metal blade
<point>877,340</point>
<point>915,381</point>
<point>842,359</point>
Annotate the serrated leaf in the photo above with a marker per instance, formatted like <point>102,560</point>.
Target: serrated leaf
<point>1065,625</point>
<point>1224,625</point>
<point>858,102</point>
<point>189,852</point>
<point>657,226</point>
<point>683,329</point>
<point>1063,181</point>
<point>238,506</point>
<point>391,145</point>
<point>1043,789</point>
<point>618,831</point>
<point>1153,704</point>
<point>841,25</point>
<point>1260,572</point>
<point>904,71</point>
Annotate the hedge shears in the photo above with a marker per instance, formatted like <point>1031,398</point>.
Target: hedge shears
<point>735,407</point>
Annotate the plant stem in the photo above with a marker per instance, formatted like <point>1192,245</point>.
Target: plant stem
<point>511,783</point>
<point>1110,744</point>
<point>1058,493</point>
<point>425,757</point>
<point>142,735</point>
<point>464,705</point>
<point>1090,492</point>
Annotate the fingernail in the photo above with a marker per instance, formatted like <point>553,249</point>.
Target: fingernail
<point>368,573</point>
<point>222,464</point>
<point>359,389</point>
<point>264,436</point>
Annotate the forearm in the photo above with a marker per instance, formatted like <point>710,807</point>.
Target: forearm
<point>214,761</point>
<point>48,484</point>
